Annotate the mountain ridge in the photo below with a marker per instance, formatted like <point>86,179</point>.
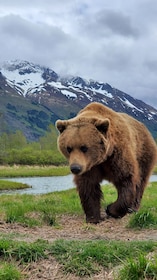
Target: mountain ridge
<point>55,97</point>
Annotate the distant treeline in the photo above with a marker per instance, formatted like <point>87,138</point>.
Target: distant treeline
<point>15,149</point>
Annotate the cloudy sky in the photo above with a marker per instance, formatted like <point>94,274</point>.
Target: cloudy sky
<point>110,41</point>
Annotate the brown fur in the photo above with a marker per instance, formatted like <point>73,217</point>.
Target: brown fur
<point>102,144</point>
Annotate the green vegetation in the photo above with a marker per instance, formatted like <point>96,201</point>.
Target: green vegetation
<point>31,171</point>
<point>14,149</point>
<point>82,258</point>
<point>6,185</point>
<point>9,272</point>
<point>39,210</point>
<point>44,209</point>
<point>136,260</point>
<point>143,219</point>
<point>140,268</point>
<point>86,257</point>
<point>146,217</point>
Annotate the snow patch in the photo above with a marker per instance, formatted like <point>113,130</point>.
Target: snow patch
<point>129,104</point>
<point>25,81</point>
<point>104,92</point>
<point>68,93</point>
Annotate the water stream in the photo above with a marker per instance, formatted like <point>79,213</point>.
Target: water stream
<point>43,185</point>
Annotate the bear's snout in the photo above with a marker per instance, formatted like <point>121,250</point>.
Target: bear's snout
<point>75,168</point>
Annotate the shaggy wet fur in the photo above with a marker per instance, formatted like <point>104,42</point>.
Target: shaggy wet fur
<point>102,144</point>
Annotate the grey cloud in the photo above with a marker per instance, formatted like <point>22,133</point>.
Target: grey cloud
<point>108,23</point>
<point>117,23</point>
<point>112,41</point>
<point>39,42</point>
<point>151,65</point>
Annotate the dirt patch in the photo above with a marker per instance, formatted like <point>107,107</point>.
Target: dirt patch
<point>72,228</point>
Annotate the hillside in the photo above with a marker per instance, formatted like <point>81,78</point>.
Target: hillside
<point>33,96</point>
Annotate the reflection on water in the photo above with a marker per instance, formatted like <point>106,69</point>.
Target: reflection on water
<point>43,185</point>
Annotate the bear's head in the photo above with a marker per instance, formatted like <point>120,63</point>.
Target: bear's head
<point>84,142</point>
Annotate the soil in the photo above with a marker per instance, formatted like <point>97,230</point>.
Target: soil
<point>72,228</point>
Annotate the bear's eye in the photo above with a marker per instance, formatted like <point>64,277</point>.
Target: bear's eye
<point>83,149</point>
<point>69,149</point>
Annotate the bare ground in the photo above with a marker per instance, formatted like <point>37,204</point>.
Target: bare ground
<point>72,228</point>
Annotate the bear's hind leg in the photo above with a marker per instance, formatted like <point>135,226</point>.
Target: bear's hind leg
<point>146,167</point>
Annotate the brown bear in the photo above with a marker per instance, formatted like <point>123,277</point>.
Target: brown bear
<point>100,143</point>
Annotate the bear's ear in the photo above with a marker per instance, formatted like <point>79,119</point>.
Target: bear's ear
<point>61,125</point>
<point>102,125</point>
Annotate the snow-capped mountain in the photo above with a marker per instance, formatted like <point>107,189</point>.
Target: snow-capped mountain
<point>65,96</point>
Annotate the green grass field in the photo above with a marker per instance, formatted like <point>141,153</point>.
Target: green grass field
<point>83,258</point>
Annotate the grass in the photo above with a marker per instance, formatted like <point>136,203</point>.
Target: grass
<point>7,185</point>
<point>38,210</point>
<point>9,272</point>
<point>82,258</point>
<point>32,171</point>
<point>22,252</point>
<point>85,257</point>
<point>146,217</point>
<point>44,209</point>
<point>140,268</point>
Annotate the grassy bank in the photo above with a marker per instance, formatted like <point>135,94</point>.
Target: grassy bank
<point>35,170</point>
<point>32,171</point>
<point>6,185</point>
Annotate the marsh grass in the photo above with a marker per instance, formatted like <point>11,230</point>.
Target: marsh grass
<point>31,171</point>
<point>7,185</point>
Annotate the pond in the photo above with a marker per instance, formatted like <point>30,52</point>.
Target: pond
<point>43,185</point>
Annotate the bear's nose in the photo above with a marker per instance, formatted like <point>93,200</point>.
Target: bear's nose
<point>75,168</point>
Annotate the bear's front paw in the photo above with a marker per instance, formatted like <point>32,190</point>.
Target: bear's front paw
<point>115,212</point>
<point>93,220</point>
